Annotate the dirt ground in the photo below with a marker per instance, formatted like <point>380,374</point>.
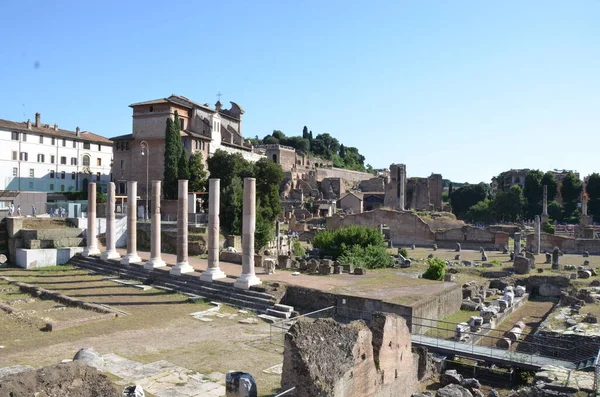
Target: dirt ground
<point>158,326</point>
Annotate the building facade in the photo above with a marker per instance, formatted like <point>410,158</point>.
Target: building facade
<point>203,130</point>
<point>44,158</point>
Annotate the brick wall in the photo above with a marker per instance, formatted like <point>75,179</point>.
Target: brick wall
<point>566,244</point>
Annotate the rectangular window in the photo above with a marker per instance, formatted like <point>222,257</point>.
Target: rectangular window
<point>99,148</point>
<point>41,139</point>
<point>73,174</point>
<point>99,162</point>
<point>62,188</point>
<point>41,158</point>
<point>52,186</point>
<point>15,171</point>
<point>24,156</point>
<point>64,142</point>
<point>182,124</point>
<point>74,144</point>
<point>53,141</point>
<point>24,137</point>
<point>52,174</point>
<point>14,136</point>
<point>122,164</point>
<point>97,176</point>
<point>63,160</point>
<point>62,175</point>
<point>52,158</point>
<point>73,160</point>
<point>86,145</point>
<point>15,155</point>
<point>31,173</point>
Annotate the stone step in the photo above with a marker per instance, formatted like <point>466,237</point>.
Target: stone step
<point>283,308</point>
<point>269,318</point>
<point>277,313</point>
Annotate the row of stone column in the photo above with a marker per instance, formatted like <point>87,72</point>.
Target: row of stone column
<point>213,271</point>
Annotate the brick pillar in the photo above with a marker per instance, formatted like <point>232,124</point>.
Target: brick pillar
<point>213,271</point>
<point>132,256</point>
<point>182,265</point>
<point>111,240</point>
<point>91,233</point>
<point>155,257</point>
<point>248,278</point>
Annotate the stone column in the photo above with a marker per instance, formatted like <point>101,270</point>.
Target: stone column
<point>132,256</point>
<point>111,240</point>
<point>91,233</point>
<point>155,257</point>
<point>182,265</point>
<point>545,215</point>
<point>248,278</point>
<point>517,239</point>
<point>277,238</point>
<point>213,271</point>
<point>538,235</point>
<point>401,186</point>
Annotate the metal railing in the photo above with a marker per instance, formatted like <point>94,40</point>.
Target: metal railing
<point>279,328</point>
<point>286,392</point>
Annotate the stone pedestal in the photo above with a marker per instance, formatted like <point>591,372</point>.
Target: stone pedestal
<point>132,256</point>
<point>182,265</point>
<point>248,277</point>
<point>538,235</point>
<point>155,256</point>
<point>111,250</point>
<point>213,271</point>
<point>517,247</point>
<point>91,239</point>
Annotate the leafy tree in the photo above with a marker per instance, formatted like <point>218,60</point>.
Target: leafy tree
<point>197,173</point>
<point>555,211</point>
<point>370,257</point>
<point>533,193</point>
<point>548,228</point>
<point>335,242</point>
<point>310,137</point>
<point>232,200</point>
<point>270,140</point>
<point>550,180</point>
<point>342,151</point>
<point>592,189</point>
<point>173,149</point>
<point>305,134</point>
<point>509,205</point>
<point>183,166</point>
<point>337,161</point>
<point>465,197</point>
<point>436,269</point>
<point>482,212</point>
<point>279,135</point>
<point>297,248</point>
<point>570,190</point>
<point>324,145</point>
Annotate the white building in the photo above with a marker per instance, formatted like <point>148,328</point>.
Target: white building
<point>40,157</point>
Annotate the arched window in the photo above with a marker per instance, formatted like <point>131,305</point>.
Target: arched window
<point>86,160</point>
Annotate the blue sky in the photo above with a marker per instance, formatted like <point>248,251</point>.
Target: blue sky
<point>463,88</point>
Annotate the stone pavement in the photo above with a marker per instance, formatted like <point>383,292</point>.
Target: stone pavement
<point>164,379</point>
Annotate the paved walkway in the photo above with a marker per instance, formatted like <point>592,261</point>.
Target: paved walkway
<point>491,354</point>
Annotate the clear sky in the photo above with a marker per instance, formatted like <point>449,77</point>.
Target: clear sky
<point>462,88</point>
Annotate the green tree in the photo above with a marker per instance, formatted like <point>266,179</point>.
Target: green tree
<point>334,242</point>
<point>305,134</point>
<point>436,269</point>
<point>172,154</point>
<point>550,180</point>
<point>570,190</point>
<point>555,211</point>
<point>509,205</point>
<point>533,193</point>
<point>482,212</point>
<point>465,197</point>
<point>325,146</point>
<point>232,200</point>
<point>592,189</point>
<point>548,228</point>
<point>183,166</point>
<point>197,173</point>
<point>449,189</point>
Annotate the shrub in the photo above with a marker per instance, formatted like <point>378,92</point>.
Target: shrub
<point>298,249</point>
<point>404,252</point>
<point>370,257</point>
<point>335,242</point>
<point>548,228</point>
<point>436,269</point>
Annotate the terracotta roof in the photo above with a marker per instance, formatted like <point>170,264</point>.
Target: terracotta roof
<point>185,102</point>
<point>48,130</point>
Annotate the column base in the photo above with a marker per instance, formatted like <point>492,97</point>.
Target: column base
<point>89,251</point>
<point>154,263</point>
<point>131,258</point>
<point>212,273</point>
<point>110,255</point>
<point>245,281</point>
<point>181,268</point>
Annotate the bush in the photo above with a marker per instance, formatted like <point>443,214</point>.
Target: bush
<point>298,249</point>
<point>404,252</point>
<point>370,257</point>
<point>548,228</point>
<point>436,269</point>
<point>335,242</point>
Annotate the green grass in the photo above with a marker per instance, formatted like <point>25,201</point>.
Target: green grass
<point>445,328</point>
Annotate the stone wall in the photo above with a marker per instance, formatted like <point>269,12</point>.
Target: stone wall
<point>471,238</point>
<point>438,306</point>
<point>236,257</point>
<point>372,185</point>
<point>347,175</point>
<point>332,188</point>
<point>406,228</point>
<point>566,244</point>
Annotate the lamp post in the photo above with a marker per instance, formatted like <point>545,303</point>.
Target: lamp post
<point>146,152</point>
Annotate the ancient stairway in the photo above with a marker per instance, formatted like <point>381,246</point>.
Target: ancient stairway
<point>191,285</point>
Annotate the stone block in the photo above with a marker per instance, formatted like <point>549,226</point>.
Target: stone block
<point>359,271</point>
<point>522,265</point>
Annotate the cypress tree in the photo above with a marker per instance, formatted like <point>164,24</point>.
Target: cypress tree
<point>197,173</point>
<point>183,166</point>
<point>172,144</point>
